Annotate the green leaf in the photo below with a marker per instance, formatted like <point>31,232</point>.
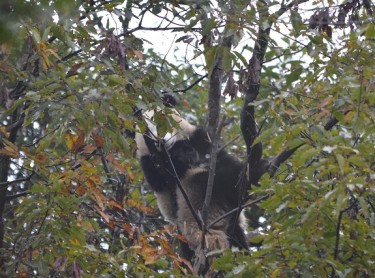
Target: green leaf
<point>36,35</point>
<point>43,267</point>
<point>297,21</point>
<point>341,161</point>
<point>241,57</point>
<point>210,55</point>
<point>46,33</point>
<point>265,135</point>
<point>193,22</point>
<point>116,79</point>
<point>294,75</point>
<point>208,25</point>
<point>227,59</point>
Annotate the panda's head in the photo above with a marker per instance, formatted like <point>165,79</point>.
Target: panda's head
<point>170,139</point>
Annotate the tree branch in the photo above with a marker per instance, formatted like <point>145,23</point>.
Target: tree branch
<point>256,166</point>
<point>333,121</point>
<point>216,76</point>
<point>16,122</point>
<point>338,227</point>
<point>212,171</point>
<point>274,163</point>
<point>248,124</point>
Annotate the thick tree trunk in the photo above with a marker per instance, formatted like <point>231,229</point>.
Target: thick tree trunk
<point>4,170</point>
<point>15,123</point>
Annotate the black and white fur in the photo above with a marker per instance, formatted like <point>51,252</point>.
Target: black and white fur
<point>189,149</point>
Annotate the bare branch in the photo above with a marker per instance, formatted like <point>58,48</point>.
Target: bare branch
<point>285,8</point>
<point>104,162</point>
<point>229,143</point>
<point>166,54</point>
<point>191,85</point>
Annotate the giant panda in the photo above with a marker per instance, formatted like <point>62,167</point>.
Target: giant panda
<point>188,148</point>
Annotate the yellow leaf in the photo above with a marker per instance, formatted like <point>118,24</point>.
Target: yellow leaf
<point>4,131</point>
<point>75,143</point>
<point>115,204</point>
<point>70,138</point>
<point>74,241</point>
<point>86,225</point>
<point>9,149</point>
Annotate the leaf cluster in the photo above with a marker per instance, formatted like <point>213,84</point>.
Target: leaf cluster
<point>73,201</point>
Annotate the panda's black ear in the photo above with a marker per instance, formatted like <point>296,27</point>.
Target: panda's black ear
<point>169,100</point>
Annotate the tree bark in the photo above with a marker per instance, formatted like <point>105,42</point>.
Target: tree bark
<point>15,123</point>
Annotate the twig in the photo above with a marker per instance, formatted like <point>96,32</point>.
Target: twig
<point>78,165</point>
<point>142,28</point>
<point>274,163</point>
<point>290,38</point>
<point>70,55</point>
<point>283,55</point>
<point>191,85</point>
<point>15,196</point>
<point>7,183</point>
<point>247,204</point>
<point>37,140</point>
<point>44,218</point>
<point>229,143</point>
<point>165,56</point>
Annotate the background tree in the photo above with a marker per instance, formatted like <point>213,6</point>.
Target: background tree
<point>74,76</point>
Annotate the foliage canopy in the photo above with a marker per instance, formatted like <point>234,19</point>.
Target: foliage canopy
<point>74,74</point>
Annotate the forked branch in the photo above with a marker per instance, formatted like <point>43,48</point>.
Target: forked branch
<point>256,165</point>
